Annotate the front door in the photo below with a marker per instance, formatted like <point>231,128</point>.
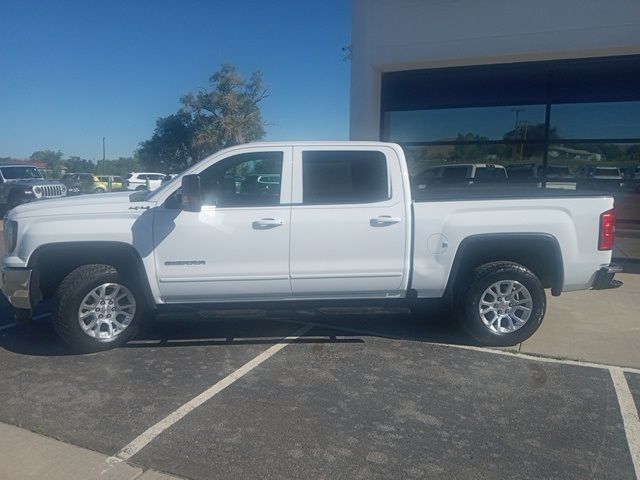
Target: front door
<point>237,247</point>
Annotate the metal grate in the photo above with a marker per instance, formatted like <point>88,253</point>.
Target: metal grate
<point>52,191</point>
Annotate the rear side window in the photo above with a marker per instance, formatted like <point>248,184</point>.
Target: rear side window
<point>344,177</point>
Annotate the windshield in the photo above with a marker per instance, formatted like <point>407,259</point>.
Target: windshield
<point>15,173</point>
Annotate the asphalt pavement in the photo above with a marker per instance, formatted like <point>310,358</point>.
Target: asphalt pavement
<point>359,394</point>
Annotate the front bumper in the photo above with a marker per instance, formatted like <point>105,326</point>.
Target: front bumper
<point>604,277</point>
<point>16,286</point>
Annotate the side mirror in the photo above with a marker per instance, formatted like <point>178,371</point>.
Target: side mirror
<point>191,194</point>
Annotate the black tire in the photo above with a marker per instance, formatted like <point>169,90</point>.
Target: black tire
<point>72,291</point>
<point>469,300</point>
<point>99,190</point>
<point>140,188</point>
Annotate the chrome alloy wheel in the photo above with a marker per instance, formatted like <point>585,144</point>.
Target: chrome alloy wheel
<point>505,306</point>
<point>107,311</point>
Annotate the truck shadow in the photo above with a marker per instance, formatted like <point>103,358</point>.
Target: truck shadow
<point>254,327</point>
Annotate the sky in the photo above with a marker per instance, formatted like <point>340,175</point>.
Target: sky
<point>72,72</point>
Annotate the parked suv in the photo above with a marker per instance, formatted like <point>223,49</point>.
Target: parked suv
<point>25,183</point>
<point>138,181</point>
<point>602,178</point>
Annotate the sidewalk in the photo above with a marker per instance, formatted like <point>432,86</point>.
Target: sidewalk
<point>25,455</point>
<point>595,326</point>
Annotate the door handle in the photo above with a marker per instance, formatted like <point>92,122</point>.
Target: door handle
<point>383,220</point>
<point>266,223</point>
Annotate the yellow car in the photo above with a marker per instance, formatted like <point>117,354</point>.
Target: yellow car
<point>116,181</point>
<point>78,183</point>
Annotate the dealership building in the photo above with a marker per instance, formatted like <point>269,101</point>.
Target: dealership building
<point>543,92</point>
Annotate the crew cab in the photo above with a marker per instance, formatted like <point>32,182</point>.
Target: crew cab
<point>305,223</point>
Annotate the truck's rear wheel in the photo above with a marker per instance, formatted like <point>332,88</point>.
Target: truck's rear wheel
<point>503,305</point>
<point>96,309</point>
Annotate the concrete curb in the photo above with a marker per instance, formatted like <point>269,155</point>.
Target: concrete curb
<point>25,455</point>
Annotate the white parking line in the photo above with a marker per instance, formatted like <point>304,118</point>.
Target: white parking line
<point>628,409</point>
<point>507,353</point>
<point>4,327</point>
<point>143,439</point>
<point>629,415</point>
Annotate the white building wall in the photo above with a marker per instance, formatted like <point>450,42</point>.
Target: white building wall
<point>392,35</point>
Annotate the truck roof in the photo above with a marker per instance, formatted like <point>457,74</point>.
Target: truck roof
<point>309,143</point>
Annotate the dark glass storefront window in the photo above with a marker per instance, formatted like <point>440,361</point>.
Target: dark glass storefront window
<point>480,123</point>
<point>562,124</point>
<point>619,120</point>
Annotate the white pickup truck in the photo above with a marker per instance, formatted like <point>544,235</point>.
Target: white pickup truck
<point>305,222</point>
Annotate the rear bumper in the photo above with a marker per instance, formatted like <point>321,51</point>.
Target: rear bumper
<point>604,277</point>
<point>15,285</point>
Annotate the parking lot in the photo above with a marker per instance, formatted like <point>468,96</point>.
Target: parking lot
<point>368,394</point>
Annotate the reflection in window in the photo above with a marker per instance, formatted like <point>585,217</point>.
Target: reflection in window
<point>244,180</point>
<point>467,124</point>
<point>464,165</point>
<point>596,120</point>
<point>606,167</point>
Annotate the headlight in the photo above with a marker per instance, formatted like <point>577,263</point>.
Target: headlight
<point>64,189</point>
<point>10,235</point>
<point>37,191</point>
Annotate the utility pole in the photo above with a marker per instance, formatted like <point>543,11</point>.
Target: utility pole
<point>103,150</point>
<point>516,130</point>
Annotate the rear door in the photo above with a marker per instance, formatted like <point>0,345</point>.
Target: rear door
<point>349,230</point>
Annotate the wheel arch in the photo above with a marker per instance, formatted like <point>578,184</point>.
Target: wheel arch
<point>53,262</point>
<point>539,252</point>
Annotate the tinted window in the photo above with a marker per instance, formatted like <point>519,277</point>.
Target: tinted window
<point>344,177</point>
<point>245,180</point>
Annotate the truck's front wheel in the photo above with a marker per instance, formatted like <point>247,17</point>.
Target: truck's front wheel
<point>503,305</point>
<point>96,309</point>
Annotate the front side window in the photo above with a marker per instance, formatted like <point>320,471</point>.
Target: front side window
<point>344,177</point>
<point>244,180</point>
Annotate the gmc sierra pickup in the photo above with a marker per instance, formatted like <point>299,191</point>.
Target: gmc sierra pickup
<point>305,222</point>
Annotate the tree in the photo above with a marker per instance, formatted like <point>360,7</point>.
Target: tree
<point>172,147</point>
<point>226,114</point>
<point>51,158</point>
<point>120,166</point>
<point>79,165</point>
